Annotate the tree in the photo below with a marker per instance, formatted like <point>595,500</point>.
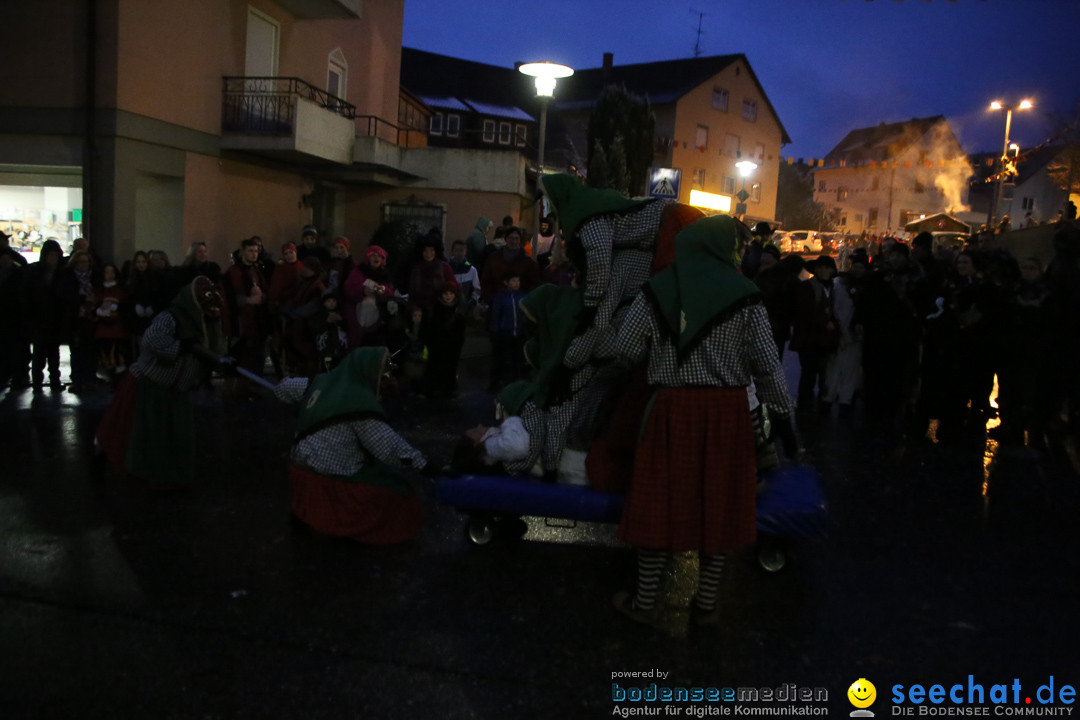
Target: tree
<point>795,206</point>
<point>621,130</point>
<point>1064,169</point>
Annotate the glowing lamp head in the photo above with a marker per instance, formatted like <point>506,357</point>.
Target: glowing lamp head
<point>746,167</point>
<point>996,105</point>
<point>1025,104</point>
<point>545,74</point>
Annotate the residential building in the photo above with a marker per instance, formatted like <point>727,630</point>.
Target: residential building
<point>1031,189</point>
<point>880,178</point>
<point>209,120</point>
<point>710,114</point>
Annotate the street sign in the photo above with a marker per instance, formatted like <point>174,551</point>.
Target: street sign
<point>740,208</point>
<point>664,182</point>
<point>742,195</point>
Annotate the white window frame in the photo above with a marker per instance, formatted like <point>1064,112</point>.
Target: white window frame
<point>698,179</point>
<point>759,152</point>
<point>729,185</point>
<point>732,143</point>
<point>520,135</point>
<point>701,136</point>
<point>749,110</point>
<point>337,64</point>
<point>505,132</point>
<point>721,99</point>
<point>489,131</point>
<point>755,192</point>
<point>453,125</point>
<point>435,124</point>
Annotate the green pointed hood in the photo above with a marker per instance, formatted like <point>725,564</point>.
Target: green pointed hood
<point>703,286</point>
<point>574,203</point>
<point>348,392</point>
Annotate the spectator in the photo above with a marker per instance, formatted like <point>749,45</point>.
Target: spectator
<point>247,291</point>
<point>477,242</point>
<point>14,329</point>
<point>444,337</point>
<point>309,245</point>
<point>430,275</point>
<point>111,333</point>
<point>466,275</point>
<point>506,323</point>
<point>815,334</point>
<point>367,289</point>
<point>45,313</point>
<point>506,261</point>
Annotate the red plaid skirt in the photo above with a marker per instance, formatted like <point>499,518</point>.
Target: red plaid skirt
<point>356,510</point>
<point>695,479</point>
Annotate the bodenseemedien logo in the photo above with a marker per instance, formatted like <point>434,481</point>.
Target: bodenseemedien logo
<point>862,694</point>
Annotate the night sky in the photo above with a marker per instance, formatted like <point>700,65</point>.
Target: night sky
<point>827,66</point>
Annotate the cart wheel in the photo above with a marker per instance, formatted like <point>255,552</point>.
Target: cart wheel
<point>480,529</point>
<point>771,556</point>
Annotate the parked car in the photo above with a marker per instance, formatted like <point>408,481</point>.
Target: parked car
<point>808,241</point>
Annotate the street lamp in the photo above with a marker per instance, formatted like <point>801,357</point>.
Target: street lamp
<point>745,168</point>
<point>998,105</point>
<point>545,75</point>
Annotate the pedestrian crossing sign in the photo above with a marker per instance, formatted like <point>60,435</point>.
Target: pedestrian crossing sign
<point>664,182</point>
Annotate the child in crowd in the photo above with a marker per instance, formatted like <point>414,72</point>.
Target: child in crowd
<point>330,338</point>
<point>414,349</point>
<point>506,323</point>
<point>367,285</point>
<point>466,275</point>
<point>444,337</point>
<point>111,332</point>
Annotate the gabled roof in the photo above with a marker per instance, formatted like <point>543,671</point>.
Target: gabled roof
<point>881,142</point>
<point>661,82</point>
<point>430,74</point>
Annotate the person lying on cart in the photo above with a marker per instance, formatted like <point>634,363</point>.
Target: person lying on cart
<point>705,334</point>
<point>510,448</point>
<point>347,463</point>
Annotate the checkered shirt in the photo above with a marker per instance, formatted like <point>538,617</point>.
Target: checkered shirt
<point>340,448</point>
<point>735,351</point>
<point>602,235</point>
<point>160,360</point>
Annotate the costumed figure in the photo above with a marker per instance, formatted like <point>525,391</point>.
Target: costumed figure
<point>149,428</point>
<point>705,334</point>
<point>346,461</point>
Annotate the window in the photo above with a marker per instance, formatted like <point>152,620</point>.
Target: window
<point>858,218</point>
<point>453,125</point>
<point>435,127</point>
<point>1027,203</point>
<point>749,110</point>
<point>843,221</point>
<point>759,152</point>
<point>520,135</point>
<point>701,139</point>
<point>504,133</point>
<point>489,131</point>
<point>841,193</point>
<point>729,185</point>
<point>755,192</point>
<point>337,74</point>
<point>699,178</point>
<point>720,99</point>
<point>871,218</point>
<point>731,145</point>
<point>821,186</point>
<point>875,184</point>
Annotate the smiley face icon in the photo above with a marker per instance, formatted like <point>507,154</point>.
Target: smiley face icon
<point>862,693</point>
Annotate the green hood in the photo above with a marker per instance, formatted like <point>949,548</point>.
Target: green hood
<point>348,392</point>
<point>556,312</point>
<point>191,323</point>
<point>574,203</point>
<point>703,286</point>
<point>482,224</point>
<point>514,396</point>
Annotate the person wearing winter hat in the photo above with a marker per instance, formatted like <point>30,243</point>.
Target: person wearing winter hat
<point>309,245</point>
<point>341,264</point>
<point>751,261</point>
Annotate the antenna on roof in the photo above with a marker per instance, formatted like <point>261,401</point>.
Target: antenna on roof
<point>697,45</point>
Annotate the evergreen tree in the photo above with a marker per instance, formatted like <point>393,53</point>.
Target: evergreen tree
<point>621,130</point>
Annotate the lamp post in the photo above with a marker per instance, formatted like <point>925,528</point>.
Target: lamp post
<point>545,74</point>
<point>745,168</point>
<point>998,105</point>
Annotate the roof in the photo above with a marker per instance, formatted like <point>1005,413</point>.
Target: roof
<point>513,113</point>
<point>881,142</point>
<point>444,103</point>
<point>426,73</point>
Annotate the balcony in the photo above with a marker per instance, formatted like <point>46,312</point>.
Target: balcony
<point>286,119</point>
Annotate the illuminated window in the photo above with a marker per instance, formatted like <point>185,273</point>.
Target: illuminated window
<point>702,137</point>
<point>755,192</point>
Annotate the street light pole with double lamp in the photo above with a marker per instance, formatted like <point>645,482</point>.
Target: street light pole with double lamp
<point>998,105</point>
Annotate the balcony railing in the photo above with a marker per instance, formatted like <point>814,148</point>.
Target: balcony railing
<point>267,106</point>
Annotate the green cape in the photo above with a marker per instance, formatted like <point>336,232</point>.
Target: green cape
<point>574,203</point>
<point>514,396</point>
<point>703,286</point>
<point>348,392</point>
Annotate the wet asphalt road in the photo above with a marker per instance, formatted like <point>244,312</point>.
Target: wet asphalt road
<point>941,562</point>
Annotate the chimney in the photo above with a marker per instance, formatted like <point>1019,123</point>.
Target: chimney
<point>609,60</point>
